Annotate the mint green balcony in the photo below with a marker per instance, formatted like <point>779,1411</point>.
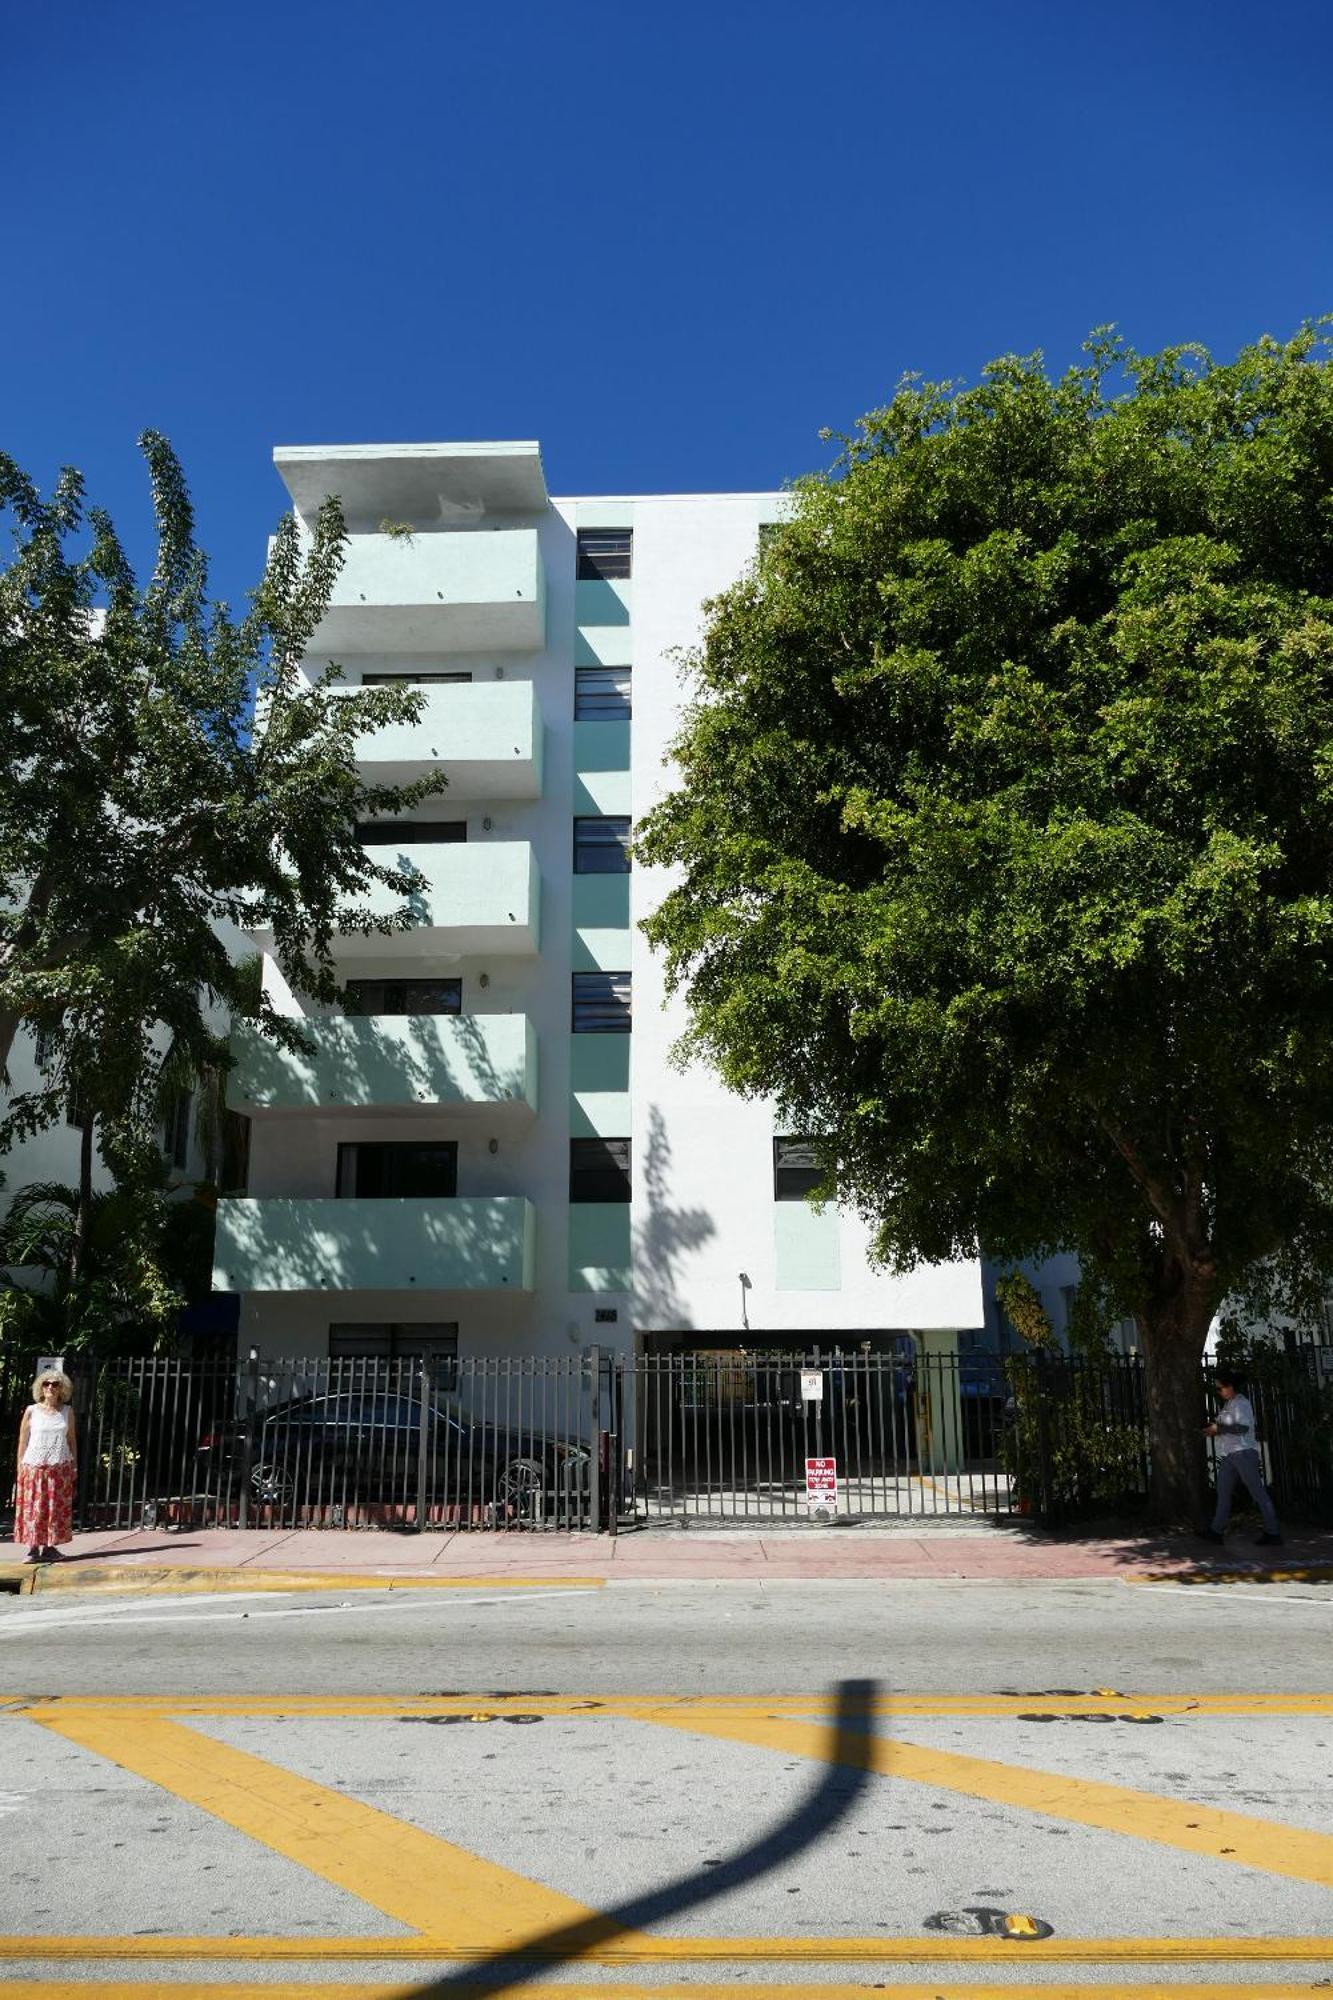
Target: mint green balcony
<point>390,1062</point>
<point>469,591</point>
<point>485,739</point>
<point>467,1244</point>
<point>479,896</point>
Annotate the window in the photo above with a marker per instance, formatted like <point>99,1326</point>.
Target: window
<point>605,553</point>
<point>375,1171</point>
<point>601,1003</point>
<point>795,1169</point>
<point>601,694</point>
<point>767,530</point>
<point>391,1340</point>
<point>404,996</point>
<point>599,1170</point>
<point>409,832</point>
<point>601,846</point>
<point>74,1109</point>
<point>235,1152</point>
<point>43,1046</point>
<point>176,1129</point>
<point>414,680</point>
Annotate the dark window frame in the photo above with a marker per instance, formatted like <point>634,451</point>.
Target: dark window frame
<point>597,1006</point>
<point>352,1152</point>
<point>417,680</point>
<point>176,1129</point>
<point>611,701</point>
<point>600,1170</point>
<point>408,986</point>
<point>412,832</point>
<point>794,1179</point>
<point>606,852</point>
<point>399,1340</point>
<point>604,555</point>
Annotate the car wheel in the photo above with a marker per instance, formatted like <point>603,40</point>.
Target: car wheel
<point>272,1486</point>
<point>520,1494</point>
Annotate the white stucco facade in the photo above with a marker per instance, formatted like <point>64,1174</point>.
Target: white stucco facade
<point>701,1252</point>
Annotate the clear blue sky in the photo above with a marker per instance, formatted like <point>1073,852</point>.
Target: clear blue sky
<point>671,242</point>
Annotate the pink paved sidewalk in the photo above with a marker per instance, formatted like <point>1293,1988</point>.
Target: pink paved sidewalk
<point>840,1555</point>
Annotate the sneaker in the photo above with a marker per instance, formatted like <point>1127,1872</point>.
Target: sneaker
<point>33,1555</point>
<point>1209,1535</point>
<point>1267,1541</point>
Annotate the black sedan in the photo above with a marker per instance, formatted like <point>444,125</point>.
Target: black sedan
<point>326,1454</point>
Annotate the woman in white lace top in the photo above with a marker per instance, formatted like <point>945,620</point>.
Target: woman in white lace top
<point>47,1463</point>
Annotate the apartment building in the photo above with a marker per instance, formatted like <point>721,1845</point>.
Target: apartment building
<point>490,1152</point>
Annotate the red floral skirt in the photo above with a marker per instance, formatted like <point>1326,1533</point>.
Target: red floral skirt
<point>45,1513</point>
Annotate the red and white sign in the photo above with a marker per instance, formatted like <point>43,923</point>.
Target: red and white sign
<point>821,1484</point>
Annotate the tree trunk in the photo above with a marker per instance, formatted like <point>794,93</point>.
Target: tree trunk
<point>1173,1344</point>
<point>78,1253</point>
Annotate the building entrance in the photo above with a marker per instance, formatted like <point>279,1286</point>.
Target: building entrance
<point>762,1432</point>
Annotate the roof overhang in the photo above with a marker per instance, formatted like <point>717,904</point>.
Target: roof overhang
<point>426,485</point>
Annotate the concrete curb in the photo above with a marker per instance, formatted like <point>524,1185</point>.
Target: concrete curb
<point>37,1579</point>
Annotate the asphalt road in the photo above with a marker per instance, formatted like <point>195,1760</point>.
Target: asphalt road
<point>703,1788</point>
<point>719,1638</point>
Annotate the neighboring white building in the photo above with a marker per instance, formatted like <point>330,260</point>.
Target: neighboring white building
<point>486,1154</point>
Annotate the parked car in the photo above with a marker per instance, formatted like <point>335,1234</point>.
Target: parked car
<point>364,1445</point>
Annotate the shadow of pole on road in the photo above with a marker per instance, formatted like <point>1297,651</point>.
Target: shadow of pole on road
<point>844,1778</point>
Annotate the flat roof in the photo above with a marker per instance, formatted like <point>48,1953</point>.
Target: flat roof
<point>417,482</point>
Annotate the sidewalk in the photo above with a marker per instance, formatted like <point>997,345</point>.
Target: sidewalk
<point>227,1559</point>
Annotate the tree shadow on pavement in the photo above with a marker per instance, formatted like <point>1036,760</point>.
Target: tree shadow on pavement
<point>845,1777</point>
<point>1130,1545</point>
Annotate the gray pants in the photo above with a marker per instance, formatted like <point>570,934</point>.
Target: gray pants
<point>1246,1467</point>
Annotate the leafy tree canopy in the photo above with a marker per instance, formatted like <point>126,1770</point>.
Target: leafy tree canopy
<point>1005,832</point>
<point>142,815</point>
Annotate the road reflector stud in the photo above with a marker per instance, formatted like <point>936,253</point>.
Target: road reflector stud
<point>1021,1926</point>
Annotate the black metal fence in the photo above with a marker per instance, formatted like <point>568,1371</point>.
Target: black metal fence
<point>1076,1441</point>
<point>603,1441</point>
<point>300,1443</point>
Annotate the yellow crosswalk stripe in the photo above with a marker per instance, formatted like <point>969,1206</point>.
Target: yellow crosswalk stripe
<point>1205,1830</point>
<point>417,1878</point>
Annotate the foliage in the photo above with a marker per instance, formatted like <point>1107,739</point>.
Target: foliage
<point>1073,1445</point>
<point>145,1254</point>
<point>145,821</point>
<point>397,531</point>
<point>1020,1301</point>
<point>1004,837</point>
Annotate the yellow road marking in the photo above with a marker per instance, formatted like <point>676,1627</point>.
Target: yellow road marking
<point>27,1989</point>
<point>701,1951</point>
<point>939,1483</point>
<point>1302,1573</point>
<point>1236,1837</point>
<point>649,1708</point>
<point>404,1872</point>
<point>412,1876</point>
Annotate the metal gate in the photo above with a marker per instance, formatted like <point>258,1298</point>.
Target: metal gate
<point>728,1434</point>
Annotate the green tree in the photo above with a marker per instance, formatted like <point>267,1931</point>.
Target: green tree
<point>1005,834</point>
<point>143,1255</point>
<point>169,779</point>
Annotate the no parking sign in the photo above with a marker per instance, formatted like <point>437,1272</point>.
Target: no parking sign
<point>821,1485</point>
